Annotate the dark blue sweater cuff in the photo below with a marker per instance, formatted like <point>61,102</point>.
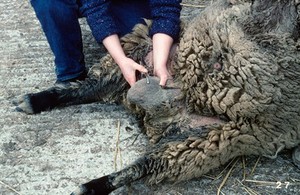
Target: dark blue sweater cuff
<point>100,32</point>
<point>100,21</point>
<point>167,27</point>
<point>166,17</point>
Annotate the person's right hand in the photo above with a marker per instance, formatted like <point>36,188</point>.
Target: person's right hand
<point>127,65</point>
<point>129,68</point>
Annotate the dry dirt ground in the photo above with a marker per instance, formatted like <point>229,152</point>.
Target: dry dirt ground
<point>52,152</point>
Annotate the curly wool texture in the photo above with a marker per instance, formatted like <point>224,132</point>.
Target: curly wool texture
<point>258,87</point>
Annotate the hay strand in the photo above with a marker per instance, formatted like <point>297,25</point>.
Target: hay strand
<point>253,169</point>
<point>247,189</point>
<point>10,188</point>
<point>221,174</point>
<point>227,176</point>
<point>117,149</point>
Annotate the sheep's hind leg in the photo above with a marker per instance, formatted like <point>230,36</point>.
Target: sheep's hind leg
<point>180,158</point>
<point>109,183</point>
<point>108,88</point>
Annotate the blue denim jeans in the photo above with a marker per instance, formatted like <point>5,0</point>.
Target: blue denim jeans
<point>59,21</point>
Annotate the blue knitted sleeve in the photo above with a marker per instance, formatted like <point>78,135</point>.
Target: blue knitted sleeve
<point>166,17</point>
<point>97,15</point>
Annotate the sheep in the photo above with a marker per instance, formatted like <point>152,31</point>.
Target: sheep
<point>236,91</point>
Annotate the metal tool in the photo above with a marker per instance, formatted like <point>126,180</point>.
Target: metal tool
<point>142,62</point>
<point>147,78</point>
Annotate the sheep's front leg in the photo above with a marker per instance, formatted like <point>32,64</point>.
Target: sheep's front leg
<point>180,159</point>
<point>33,103</point>
<point>110,86</point>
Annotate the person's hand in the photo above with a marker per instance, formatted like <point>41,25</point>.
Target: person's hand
<point>129,68</point>
<point>161,48</point>
<point>127,65</point>
<point>161,71</point>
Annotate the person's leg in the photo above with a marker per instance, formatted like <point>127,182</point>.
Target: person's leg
<point>128,13</point>
<point>59,20</point>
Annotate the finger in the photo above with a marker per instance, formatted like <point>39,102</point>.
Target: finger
<point>141,68</point>
<point>163,81</point>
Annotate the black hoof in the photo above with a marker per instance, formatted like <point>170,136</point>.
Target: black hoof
<point>99,186</point>
<point>24,104</point>
<point>82,191</point>
<point>37,102</point>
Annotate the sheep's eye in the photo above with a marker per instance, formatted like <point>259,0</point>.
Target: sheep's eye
<point>217,66</point>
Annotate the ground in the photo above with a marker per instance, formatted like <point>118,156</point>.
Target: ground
<point>53,152</point>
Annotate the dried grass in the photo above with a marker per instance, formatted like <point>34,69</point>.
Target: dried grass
<point>9,187</point>
<point>227,176</point>
<point>118,149</point>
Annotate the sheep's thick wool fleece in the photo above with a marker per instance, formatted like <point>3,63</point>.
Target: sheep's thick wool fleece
<point>164,13</point>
